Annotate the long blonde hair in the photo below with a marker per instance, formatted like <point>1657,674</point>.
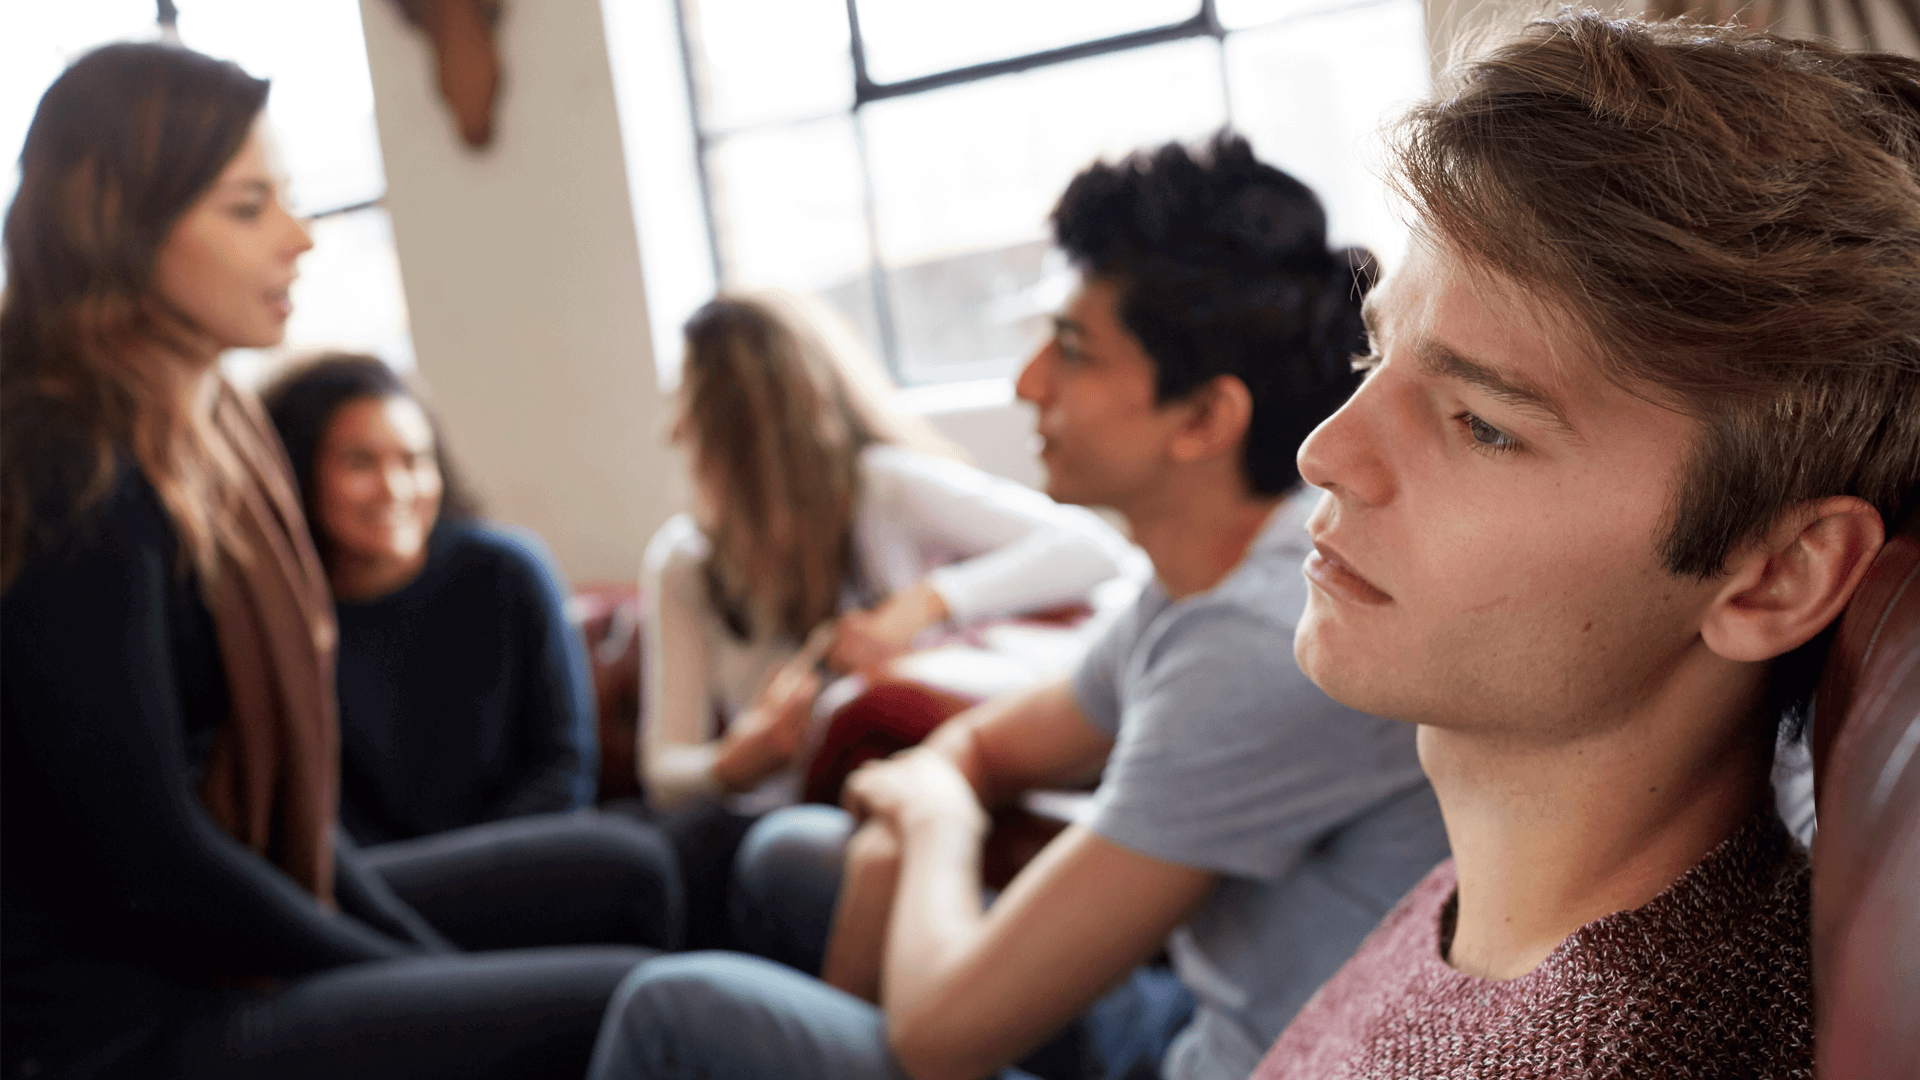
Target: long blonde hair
<point>778,407</point>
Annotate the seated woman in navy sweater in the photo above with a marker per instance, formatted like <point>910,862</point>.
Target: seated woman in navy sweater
<point>464,693</point>
<point>175,899</point>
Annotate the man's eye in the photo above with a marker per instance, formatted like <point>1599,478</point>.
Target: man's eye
<point>1486,435</point>
<point>247,211</point>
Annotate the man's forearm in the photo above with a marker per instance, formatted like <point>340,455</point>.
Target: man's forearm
<point>937,910</point>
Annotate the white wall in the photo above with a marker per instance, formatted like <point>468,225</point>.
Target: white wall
<point>523,283</point>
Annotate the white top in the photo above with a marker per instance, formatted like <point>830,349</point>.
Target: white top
<point>987,545</point>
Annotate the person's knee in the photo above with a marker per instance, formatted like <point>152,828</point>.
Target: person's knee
<point>643,862</point>
<point>673,1011</point>
<point>800,847</point>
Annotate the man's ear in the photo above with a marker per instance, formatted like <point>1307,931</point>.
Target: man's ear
<point>1780,591</point>
<point>1218,414</point>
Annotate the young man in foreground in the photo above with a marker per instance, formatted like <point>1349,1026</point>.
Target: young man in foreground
<point>1639,404</point>
<point>1262,825</point>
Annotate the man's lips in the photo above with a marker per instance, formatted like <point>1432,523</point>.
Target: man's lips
<point>1325,568</point>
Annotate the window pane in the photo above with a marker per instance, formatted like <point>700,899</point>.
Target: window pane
<point>1314,96</point>
<point>322,99</point>
<point>909,38</point>
<point>964,178</point>
<point>39,41</point>
<point>1235,14</point>
<point>790,207</point>
<point>770,60</point>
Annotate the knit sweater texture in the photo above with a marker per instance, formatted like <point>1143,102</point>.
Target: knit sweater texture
<point>1711,978</point>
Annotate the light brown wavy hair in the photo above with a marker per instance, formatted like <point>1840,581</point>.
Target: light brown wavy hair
<point>776,405</point>
<point>1734,219</point>
<point>122,145</point>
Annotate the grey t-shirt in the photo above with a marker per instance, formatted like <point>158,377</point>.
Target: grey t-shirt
<point>1228,759</point>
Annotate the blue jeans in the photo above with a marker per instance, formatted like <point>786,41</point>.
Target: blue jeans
<point>724,1016</point>
<point>785,883</point>
<point>712,1015</point>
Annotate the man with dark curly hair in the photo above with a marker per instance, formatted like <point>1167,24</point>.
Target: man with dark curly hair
<point>1244,820</point>
<point>1641,404</point>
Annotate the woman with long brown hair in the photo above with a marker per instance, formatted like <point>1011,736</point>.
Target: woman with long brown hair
<point>177,898</point>
<point>822,517</point>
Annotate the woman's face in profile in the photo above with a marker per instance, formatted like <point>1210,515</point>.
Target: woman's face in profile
<point>684,435</point>
<point>227,263</point>
<point>377,482</point>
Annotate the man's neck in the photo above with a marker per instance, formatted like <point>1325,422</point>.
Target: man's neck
<point>1198,534</point>
<point>1549,837</point>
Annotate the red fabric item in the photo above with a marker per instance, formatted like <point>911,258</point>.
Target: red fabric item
<point>607,615</point>
<point>1709,979</point>
<point>886,718</point>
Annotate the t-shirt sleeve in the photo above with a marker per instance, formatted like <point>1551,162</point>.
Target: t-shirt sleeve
<point>1228,758</point>
<point>1096,682</point>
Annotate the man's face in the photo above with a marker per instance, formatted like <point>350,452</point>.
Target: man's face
<point>1103,439</point>
<point>1485,550</point>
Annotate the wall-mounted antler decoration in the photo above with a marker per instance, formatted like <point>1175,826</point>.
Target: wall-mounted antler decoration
<point>468,61</point>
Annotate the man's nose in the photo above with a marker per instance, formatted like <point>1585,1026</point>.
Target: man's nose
<point>1035,379</point>
<point>1346,453</point>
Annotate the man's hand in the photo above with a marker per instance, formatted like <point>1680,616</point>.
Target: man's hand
<point>763,739</point>
<point>913,790</point>
<point>866,640</point>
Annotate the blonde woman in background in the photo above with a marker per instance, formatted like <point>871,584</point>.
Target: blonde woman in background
<point>818,510</point>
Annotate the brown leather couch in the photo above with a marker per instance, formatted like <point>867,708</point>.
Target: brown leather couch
<point>1866,854</point>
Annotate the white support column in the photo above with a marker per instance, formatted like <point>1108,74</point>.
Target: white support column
<point>524,285</point>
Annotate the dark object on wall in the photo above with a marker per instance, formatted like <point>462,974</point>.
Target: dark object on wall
<point>1866,855</point>
<point>468,61</point>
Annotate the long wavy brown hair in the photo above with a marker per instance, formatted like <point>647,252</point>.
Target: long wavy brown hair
<point>776,407</point>
<point>123,143</point>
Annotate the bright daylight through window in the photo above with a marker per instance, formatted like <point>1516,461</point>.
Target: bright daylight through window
<point>897,158</point>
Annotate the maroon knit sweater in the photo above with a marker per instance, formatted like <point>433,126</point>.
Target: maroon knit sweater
<point>1710,979</point>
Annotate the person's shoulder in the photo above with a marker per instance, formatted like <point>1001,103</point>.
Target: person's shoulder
<point>508,552</point>
<point>678,542</point>
<point>1735,930</point>
<point>128,514</point>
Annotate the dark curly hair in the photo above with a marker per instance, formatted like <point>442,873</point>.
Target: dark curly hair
<point>1222,268</point>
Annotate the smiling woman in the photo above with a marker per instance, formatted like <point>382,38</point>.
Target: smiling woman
<point>464,692</point>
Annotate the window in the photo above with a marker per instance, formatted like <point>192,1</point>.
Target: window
<point>897,158</point>
<point>321,110</point>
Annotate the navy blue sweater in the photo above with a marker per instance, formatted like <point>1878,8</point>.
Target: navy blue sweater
<point>464,695</point>
<point>122,904</point>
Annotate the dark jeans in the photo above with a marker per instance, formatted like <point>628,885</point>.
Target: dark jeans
<point>785,884</point>
<point>552,879</point>
<point>535,888</point>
